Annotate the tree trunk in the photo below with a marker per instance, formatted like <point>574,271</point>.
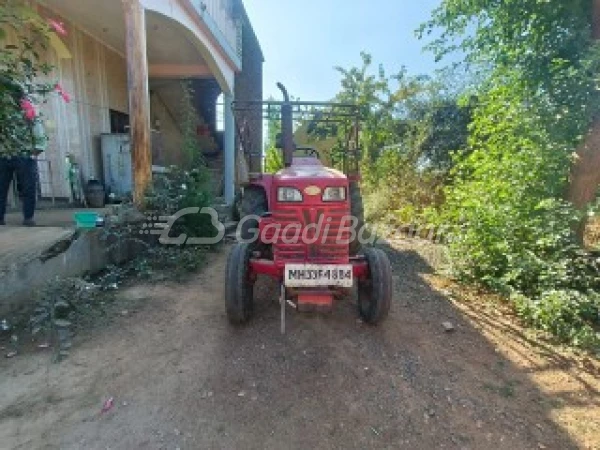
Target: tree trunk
<point>585,172</point>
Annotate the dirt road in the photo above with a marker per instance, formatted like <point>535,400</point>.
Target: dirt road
<point>181,377</point>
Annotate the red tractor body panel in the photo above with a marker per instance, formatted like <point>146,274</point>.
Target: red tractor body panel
<point>312,230</point>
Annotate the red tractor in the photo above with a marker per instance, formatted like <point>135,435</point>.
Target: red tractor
<point>302,225</point>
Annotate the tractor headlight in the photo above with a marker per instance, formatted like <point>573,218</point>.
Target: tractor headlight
<point>334,194</point>
<point>288,194</point>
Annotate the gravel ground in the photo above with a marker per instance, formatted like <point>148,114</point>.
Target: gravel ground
<point>181,377</point>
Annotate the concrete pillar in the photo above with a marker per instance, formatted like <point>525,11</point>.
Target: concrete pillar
<point>229,149</point>
<point>139,99</point>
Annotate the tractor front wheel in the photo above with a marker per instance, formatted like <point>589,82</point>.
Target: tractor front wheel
<point>253,203</point>
<point>239,299</point>
<point>375,293</point>
<point>357,210</point>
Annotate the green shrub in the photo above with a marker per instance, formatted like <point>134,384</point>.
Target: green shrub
<point>566,314</point>
<point>511,231</point>
<point>273,160</point>
<point>179,189</point>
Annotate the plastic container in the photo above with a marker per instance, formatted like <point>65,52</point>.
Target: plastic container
<point>86,219</point>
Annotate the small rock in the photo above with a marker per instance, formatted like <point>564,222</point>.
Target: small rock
<point>448,326</point>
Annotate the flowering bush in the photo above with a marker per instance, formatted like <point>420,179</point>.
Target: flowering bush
<point>21,68</point>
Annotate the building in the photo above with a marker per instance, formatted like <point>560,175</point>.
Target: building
<point>122,61</point>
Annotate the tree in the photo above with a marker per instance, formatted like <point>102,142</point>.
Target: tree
<point>24,35</point>
<point>585,173</point>
<point>547,52</point>
<point>273,155</point>
<point>511,228</point>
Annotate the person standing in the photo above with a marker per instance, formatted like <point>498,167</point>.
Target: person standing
<point>21,164</point>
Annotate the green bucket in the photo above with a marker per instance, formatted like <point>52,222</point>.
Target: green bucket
<point>86,219</point>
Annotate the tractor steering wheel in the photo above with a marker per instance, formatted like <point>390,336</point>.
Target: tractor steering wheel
<point>310,151</point>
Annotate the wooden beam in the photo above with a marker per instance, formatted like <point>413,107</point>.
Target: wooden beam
<point>180,71</point>
<point>139,103</point>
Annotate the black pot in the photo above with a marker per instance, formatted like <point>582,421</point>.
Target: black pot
<point>94,194</point>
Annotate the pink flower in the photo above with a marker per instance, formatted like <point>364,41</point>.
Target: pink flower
<point>65,96</point>
<point>28,109</point>
<point>58,27</point>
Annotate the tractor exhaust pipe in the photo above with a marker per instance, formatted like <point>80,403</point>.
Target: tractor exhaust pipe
<point>287,127</point>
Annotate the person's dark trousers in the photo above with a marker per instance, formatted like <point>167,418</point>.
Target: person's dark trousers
<point>24,167</point>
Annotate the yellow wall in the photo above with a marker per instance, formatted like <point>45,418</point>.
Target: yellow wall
<point>164,105</point>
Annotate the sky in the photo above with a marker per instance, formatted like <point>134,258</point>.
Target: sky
<point>303,40</point>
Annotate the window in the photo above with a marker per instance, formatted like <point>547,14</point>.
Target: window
<point>119,122</point>
<point>221,112</point>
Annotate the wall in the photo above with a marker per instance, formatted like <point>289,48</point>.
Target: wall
<point>96,78</point>
<point>249,87</point>
<point>87,252</point>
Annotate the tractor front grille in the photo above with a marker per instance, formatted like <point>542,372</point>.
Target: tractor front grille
<point>322,234</point>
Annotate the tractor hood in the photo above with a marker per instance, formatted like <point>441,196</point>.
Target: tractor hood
<point>308,168</point>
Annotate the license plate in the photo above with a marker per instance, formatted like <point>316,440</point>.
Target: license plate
<point>310,275</point>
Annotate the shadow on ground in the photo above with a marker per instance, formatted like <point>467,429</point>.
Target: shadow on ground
<point>333,382</point>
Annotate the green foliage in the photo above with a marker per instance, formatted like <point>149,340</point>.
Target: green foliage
<point>179,189</point>
<point>410,127</point>
<point>21,67</point>
<point>191,148</point>
<point>402,192</point>
<point>273,160</point>
<point>567,314</point>
<point>273,156</point>
<point>511,229</point>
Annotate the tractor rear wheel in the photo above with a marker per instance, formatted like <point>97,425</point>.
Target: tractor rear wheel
<point>254,202</point>
<point>375,293</point>
<point>239,298</point>
<point>356,210</point>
